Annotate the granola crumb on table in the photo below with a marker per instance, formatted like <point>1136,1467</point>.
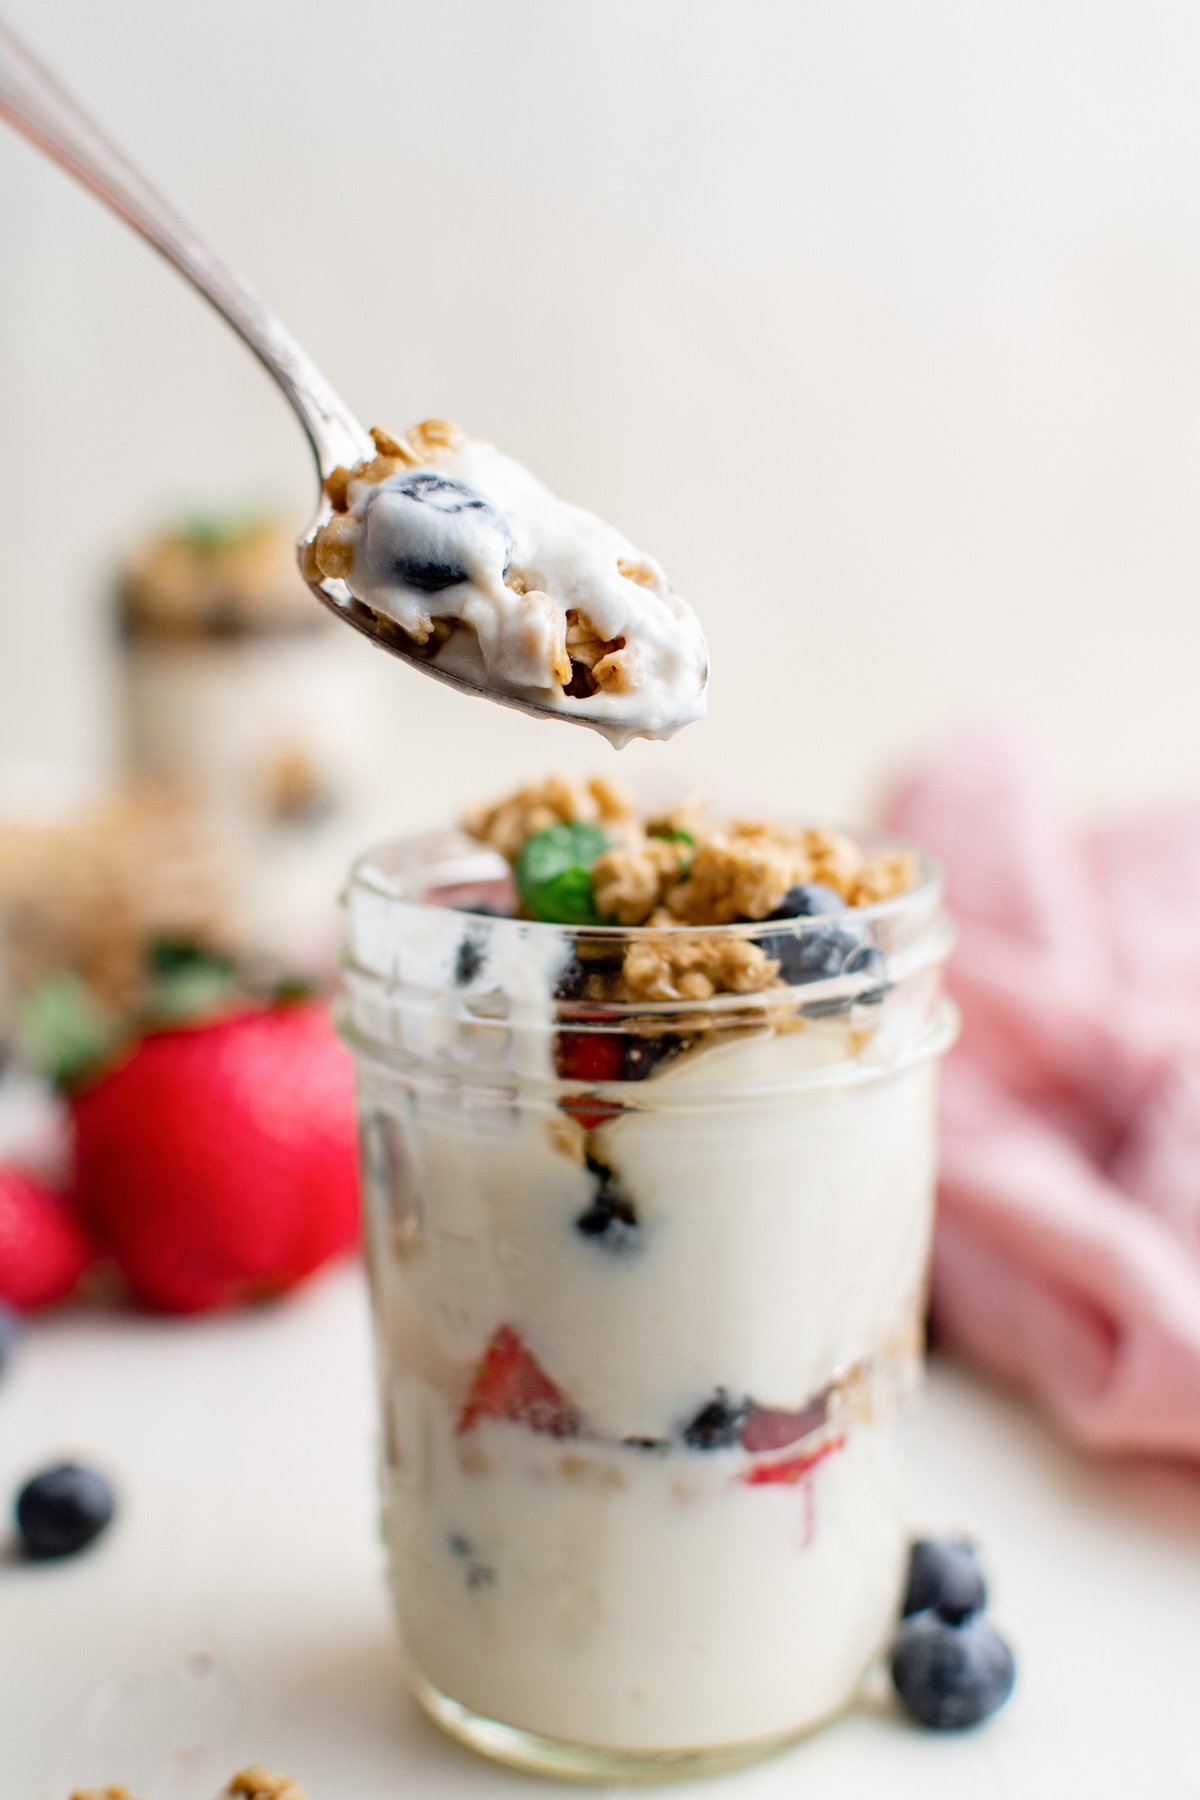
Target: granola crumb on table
<point>255,1783</point>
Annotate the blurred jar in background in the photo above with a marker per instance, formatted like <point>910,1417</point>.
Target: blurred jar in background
<point>235,682</point>
<point>91,891</point>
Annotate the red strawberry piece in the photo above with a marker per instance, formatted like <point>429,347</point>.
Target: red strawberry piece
<point>766,1429</point>
<point>43,1248</point>
<point>792,1469</point>
<point>590,1056</point>
<point>588,1110</point>
<point>219,1162</point>
<point>511,1384</point>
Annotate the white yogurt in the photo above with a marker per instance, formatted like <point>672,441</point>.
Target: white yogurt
<point>477,539</point>
<point>651,1598</point>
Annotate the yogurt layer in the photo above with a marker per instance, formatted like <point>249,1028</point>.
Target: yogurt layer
<point>593,1574</point>
<point>500,583</point>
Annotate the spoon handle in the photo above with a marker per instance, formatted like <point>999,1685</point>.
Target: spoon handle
<point>40,109</point>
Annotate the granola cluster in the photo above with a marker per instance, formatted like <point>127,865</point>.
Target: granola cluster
<point>505,825</point>
<point>736,871</point>
<point>257,1783</point>
<point>684,968</point>
<point>254,1783</point>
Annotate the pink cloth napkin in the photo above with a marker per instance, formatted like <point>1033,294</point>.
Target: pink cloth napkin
<point>1067,1255</point>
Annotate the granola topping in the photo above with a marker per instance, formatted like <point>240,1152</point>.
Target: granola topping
<point>505,825</point>
<point>682,868</point>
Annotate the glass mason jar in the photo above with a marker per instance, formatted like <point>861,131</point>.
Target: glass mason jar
<point>648,1283</point>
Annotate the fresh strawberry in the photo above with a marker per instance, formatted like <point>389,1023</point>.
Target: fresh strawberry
<point>510,1384</point>
<point>43,1249</point>
<point>218,1161</point>
<point>766,1429</point>
<point>791,1469</point>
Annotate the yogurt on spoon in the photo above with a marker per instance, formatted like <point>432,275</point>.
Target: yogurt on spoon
<point>488,575</point>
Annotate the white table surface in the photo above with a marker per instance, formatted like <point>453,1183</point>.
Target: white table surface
<point>236,1612</point>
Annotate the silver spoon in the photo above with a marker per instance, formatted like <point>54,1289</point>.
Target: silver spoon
<point>33,101</point>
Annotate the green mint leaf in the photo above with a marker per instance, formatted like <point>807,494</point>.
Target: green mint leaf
<point>554,873</point>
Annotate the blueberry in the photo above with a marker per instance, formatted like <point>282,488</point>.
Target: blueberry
<point>944,1576</point>
<point>577,971</point>
<point>472,954</point>
<point>610,1217</point>
<point>572,980</point>
<point>870,961</point>
<point>805,901</point>
<point>812,955</point>
<point>442,492</point>
<point>62,1510</point>
<point>435,526</point>
<point>718,1424</point>
<point>12,1330</point>
<point>947,1676</point>
<point>477,1572</point>
<point>643,1055</point>
<point>426,576</point>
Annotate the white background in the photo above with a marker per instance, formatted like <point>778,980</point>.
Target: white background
<point>878,323</point>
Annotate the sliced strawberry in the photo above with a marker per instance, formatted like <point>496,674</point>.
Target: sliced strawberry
<point>590,1056</point>
<point>510,1384</point>
<point>766,1429</point>
<point>588,1110</point>
<point>792,1469</point>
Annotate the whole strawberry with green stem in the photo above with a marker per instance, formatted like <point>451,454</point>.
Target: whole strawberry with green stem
<point>217,1161</point>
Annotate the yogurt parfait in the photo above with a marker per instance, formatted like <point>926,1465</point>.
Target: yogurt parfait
<point>647,1114</point>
